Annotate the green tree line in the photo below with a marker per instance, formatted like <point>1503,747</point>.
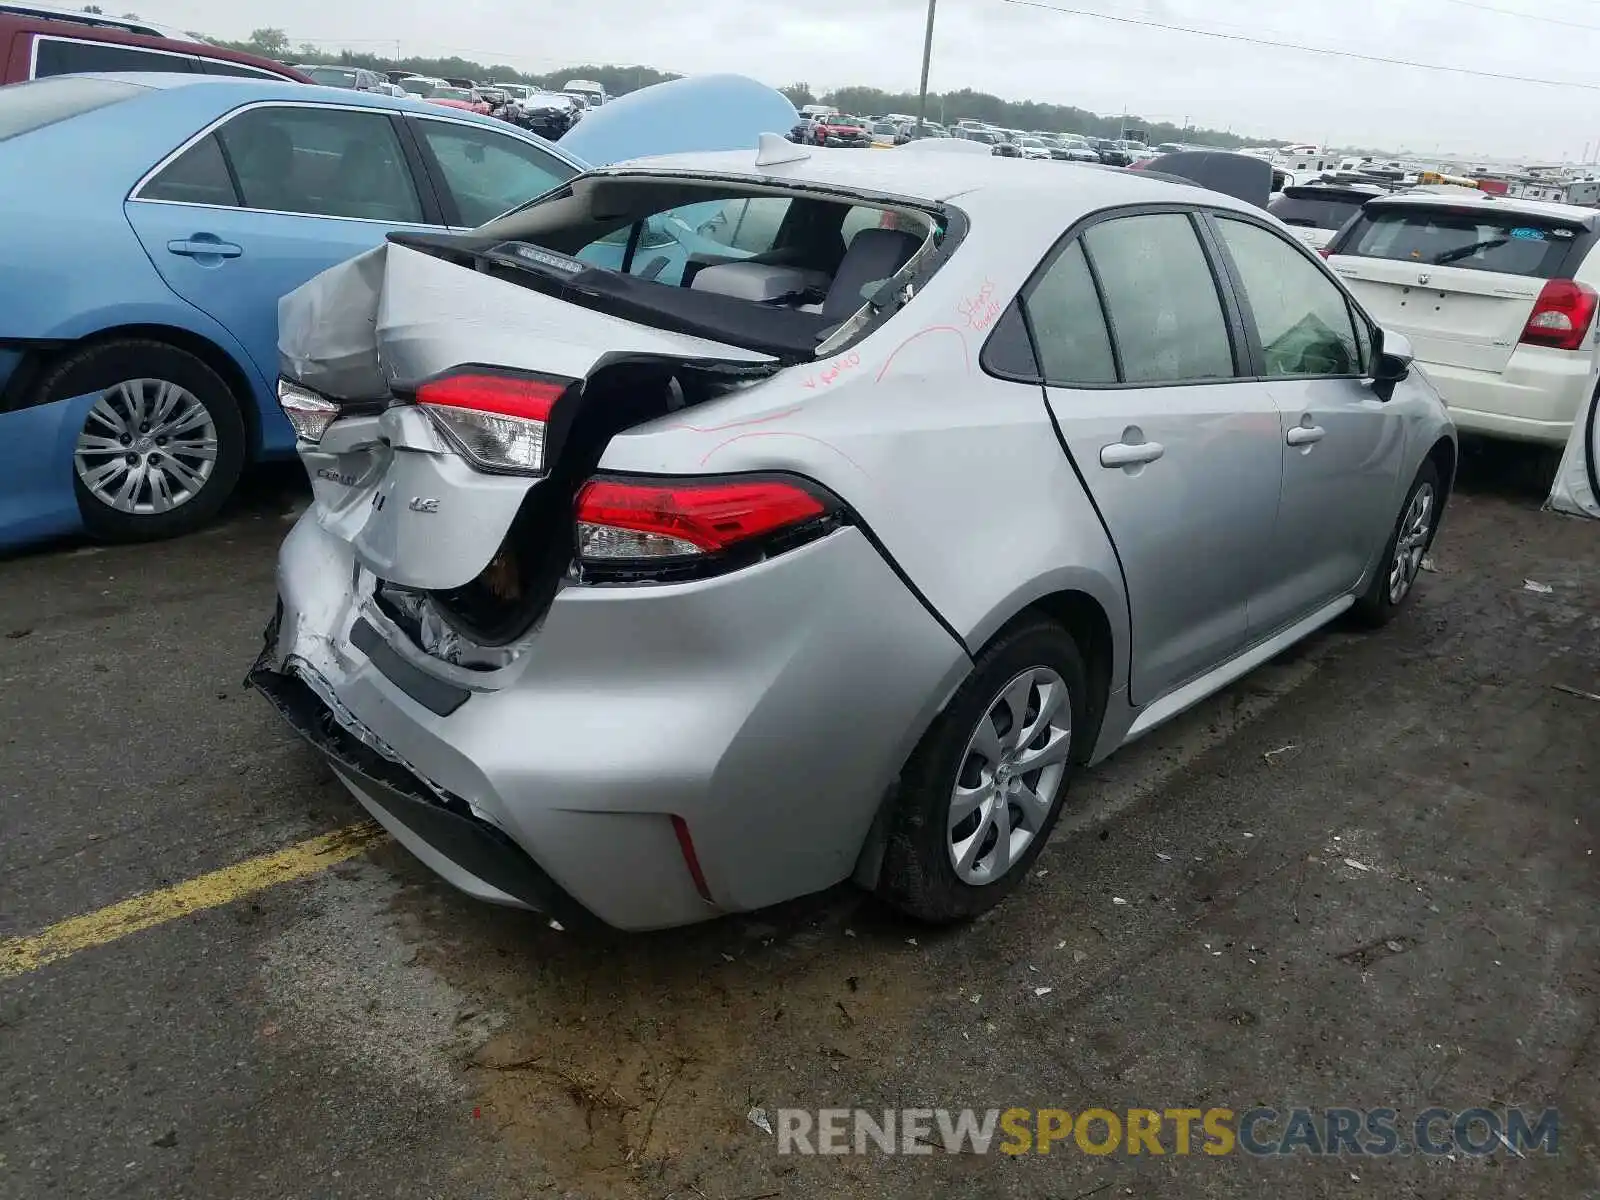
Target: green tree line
<point>947,107</point>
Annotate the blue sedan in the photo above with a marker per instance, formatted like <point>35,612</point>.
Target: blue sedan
<point>153,221</point>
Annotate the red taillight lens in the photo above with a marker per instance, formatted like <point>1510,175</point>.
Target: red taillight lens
<point>1325,253</point>
<point>622,522</point>
<point>500,422</point>
<point>1561,316</point>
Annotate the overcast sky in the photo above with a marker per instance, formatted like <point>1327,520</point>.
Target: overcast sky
<point>1028,53</point>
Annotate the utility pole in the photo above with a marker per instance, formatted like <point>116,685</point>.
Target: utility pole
<point>927,60</point>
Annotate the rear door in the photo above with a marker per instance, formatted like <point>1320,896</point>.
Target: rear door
<point>1342,446</point>
<point>1182,457</point>
<point>1460,282</point>
<point>273,195</point>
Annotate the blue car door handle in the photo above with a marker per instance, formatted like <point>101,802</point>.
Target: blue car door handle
<point>204,246</point>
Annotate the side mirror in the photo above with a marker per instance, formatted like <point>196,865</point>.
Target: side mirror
<point>1392,357</point>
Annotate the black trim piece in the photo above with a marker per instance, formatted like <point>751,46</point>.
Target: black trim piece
<point>442,820</point>
<point>421,180</point>
<point>1100,300</point>
<point>449,210</point>
<point>635,235</point>
<point>227,165</point>
<point>1249,358</point>
<point>434,694</point>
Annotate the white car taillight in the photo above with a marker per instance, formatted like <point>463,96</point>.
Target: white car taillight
<point>309,413</point>
<point>1562,315</point>
<point>500,422</point>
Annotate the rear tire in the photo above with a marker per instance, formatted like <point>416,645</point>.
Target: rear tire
<point>995,764</point>
<point>1395,579</point>
<point>163,447</point>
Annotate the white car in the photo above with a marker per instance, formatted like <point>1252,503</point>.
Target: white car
<point>1315,212</point>
<point>1032,147</point>
<point>1497,297</point>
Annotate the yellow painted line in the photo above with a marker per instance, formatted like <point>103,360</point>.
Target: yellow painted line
<point>18,956</point>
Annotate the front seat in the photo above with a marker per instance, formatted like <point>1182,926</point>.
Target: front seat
<point>875,256</point>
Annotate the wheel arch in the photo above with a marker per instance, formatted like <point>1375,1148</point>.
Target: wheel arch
<point>1085,618</point>
<point>39,358</point>
<point>1444,455</point>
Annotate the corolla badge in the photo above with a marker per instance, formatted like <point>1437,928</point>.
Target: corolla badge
<point>424,504</point>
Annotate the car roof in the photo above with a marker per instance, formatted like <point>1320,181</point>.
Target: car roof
<point>1492,204</point>
<point>980,180</point>
<point>77,16</point>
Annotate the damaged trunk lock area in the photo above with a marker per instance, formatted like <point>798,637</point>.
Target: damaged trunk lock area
<point>453,395</point>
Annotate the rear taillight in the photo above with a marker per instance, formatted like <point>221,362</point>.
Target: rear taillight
<point>1324,253</point>
<point>1561,316</point>
<point>501,422</point>
<point>309,413</point>
<point>680,528</point>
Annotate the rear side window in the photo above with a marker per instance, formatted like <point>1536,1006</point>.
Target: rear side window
<point>1318,212</point>
<point>25,107</point>
<point>1506,243</point>
<point>198,176</point>
<point>1161,300</point>
<point>61,56</point>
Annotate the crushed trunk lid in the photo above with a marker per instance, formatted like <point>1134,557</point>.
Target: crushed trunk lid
<point>386,479</point>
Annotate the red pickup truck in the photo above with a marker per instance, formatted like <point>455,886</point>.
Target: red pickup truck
<point>37,40</point>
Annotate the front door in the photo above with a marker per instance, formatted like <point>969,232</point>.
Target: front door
<point>1342,446</point>
<point>1183,459</point>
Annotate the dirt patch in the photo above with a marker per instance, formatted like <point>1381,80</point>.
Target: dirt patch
<point>631,1068</point>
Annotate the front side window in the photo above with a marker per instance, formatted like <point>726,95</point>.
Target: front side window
<point>1301,316</point>
<point>1161,300</point>
<point>328,162</point>
<point>488,173</point>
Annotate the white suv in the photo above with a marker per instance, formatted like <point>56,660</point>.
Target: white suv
<point>1497,296</point>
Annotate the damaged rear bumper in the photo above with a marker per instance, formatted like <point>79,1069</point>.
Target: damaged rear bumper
<point>763,713</point>
<point>438,828</point>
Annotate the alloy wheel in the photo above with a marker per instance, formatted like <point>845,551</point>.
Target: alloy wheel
<point>148,446</point>
<point>1411,543</point>
<point>1013,766</point>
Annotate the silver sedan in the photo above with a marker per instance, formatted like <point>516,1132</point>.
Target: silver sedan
<point>654,576</point>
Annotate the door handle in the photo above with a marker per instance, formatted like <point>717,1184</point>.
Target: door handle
<point>204,246</point>
<point>1305,435</point>
<point>1122,454</point>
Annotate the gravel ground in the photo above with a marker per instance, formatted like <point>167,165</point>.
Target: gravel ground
<point>1364,877</point>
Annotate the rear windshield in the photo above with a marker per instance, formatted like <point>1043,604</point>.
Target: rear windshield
<point>1507,244</point>
<point>1315,212</point>
<point>25,107</point>
<point>332,76</point>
